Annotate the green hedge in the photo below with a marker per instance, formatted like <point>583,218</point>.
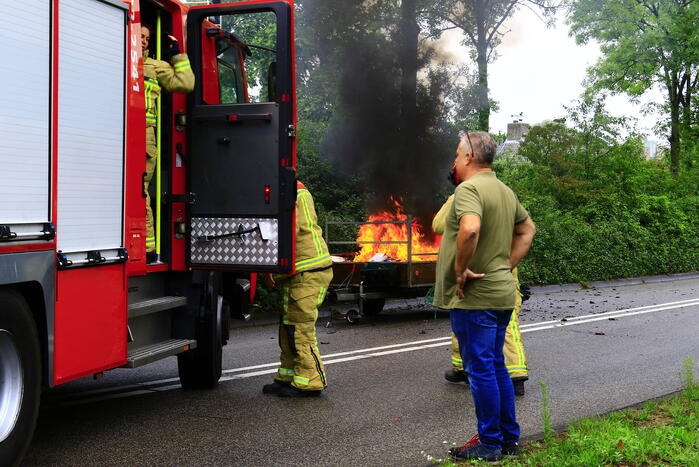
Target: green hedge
<point>601,210</point>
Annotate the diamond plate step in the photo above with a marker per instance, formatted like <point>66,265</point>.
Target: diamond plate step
<point>150,353</point>
<point>155,305</point>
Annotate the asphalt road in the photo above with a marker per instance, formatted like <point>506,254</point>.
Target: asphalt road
<point>387,403</point>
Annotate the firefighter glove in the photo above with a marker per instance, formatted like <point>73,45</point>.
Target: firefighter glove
<point>173,46</point>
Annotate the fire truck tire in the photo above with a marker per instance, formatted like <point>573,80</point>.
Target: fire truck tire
<point>20,377</point>
<point>372,306</point>
<point>200,368</point>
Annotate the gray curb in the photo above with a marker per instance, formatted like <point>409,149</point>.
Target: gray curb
<point>616,282</point>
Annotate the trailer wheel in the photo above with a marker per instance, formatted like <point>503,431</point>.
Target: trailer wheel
<point>200,368</point>
<point>372,306</point>
<point>20,377</point>
<point>353,317</point>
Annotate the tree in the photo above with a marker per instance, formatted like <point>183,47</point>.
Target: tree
<point>644,43</point>
<point>482,23</point>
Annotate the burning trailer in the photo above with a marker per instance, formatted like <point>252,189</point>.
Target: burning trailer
<point>397,259</point>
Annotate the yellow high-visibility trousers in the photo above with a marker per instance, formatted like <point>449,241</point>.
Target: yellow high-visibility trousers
<point>301,364</point>
<point>151,159</point>
<point>515,358</point>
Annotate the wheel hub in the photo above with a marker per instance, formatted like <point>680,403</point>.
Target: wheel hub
<point>11,383</point>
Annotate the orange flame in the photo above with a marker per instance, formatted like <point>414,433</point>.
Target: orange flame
<point>423,249</point>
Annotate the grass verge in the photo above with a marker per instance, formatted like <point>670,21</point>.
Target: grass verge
<point>661,432</point>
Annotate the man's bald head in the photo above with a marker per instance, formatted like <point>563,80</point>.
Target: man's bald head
<point>482,146</point>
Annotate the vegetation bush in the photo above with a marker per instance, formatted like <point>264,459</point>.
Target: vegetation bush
<point>602,210</point>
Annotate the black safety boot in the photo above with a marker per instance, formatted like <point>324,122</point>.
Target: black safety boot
<point>291,391</point>
<point>518,384</point>
<point>151,257</point>
<point>455,376</point>
<point>274,387</point>
<point>510,448</point>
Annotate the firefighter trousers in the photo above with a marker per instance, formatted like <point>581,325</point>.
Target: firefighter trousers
<point>515,358</point>
<point>301,364</point>
<point>151,159</point>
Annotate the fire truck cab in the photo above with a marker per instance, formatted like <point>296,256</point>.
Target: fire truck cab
<point>77,294</point>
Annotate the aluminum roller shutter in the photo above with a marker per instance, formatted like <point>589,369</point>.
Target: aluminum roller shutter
<point>25,40</point>
<point>92,55</point>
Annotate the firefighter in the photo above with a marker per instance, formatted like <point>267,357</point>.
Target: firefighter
<point>515,358</point>
<point>173,77</point>
<point>301,373</point>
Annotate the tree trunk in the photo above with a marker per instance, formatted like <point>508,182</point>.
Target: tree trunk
<point>674,138</point>
<point>482,61</point>
<point>409,34</point>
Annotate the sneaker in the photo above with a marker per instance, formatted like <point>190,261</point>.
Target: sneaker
<point>291,391</point>
<point>510,448</point>
<point>275,387</point>
<point>456,376</point>
<point>519,386</point>
<point>479,451</point>
<point>472,442</point>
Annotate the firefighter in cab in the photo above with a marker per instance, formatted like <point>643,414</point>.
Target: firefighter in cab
<point>301,373</point>
<point>176,76</point>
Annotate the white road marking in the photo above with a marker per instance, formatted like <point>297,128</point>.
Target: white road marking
<point>150,387</point>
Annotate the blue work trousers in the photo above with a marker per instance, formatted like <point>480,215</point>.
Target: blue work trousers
<point>481,336</point>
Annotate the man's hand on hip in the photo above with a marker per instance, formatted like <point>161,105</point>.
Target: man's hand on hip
<point>268,280</point>
<point>464,277</point>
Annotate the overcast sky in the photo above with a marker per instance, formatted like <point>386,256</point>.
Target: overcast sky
<point>539,70</point>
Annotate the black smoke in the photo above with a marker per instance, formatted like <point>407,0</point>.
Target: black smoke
<point>406,157</point>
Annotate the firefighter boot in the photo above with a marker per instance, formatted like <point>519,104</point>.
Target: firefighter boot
<point>518,384</point>
<point>275,387</point>
<point>291,391</point>
<point>456,375</point>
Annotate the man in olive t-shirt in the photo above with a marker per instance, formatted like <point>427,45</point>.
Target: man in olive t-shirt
<point>487,233</point>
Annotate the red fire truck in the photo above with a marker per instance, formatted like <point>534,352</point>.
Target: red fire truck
<point>77,295</point>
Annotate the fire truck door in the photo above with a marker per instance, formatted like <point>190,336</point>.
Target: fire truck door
<point>241,153</point>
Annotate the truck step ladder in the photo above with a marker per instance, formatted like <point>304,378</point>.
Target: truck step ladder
<point>155,305</point>
<point>150,353</point>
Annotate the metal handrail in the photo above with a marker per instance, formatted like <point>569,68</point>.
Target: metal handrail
<point>408,241</point>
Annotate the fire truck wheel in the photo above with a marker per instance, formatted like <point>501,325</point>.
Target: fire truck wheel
<point>200,368</point>
<point>372,306</point>
<point>20,377</point>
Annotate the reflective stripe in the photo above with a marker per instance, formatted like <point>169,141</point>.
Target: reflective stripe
<point>151,86</point>
<point>309,263</point>
<point>285,305</point>
<point>150,240</point>
<point>309,221</point>
<point>182,66</point>
<point>321,295</point>
<point>285,371</point>
<point>301,192</point>
<point>516,367</point>
<point>301,381</point>
<point>457,361</point>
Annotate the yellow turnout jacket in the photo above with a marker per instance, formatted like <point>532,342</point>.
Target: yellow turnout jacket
<point>311,250</point>
<point>157,74</point>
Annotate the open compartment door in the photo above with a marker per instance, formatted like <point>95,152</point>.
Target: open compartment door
<point>241,156</point>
